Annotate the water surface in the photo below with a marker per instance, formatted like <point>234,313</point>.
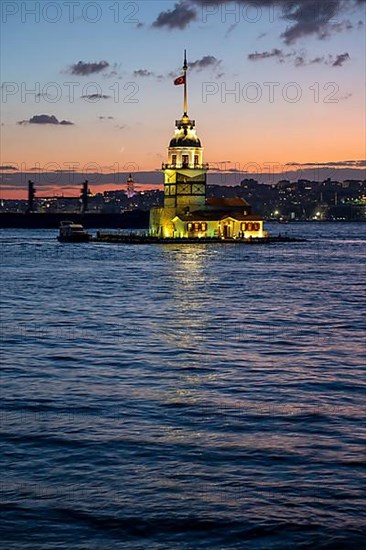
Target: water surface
<point>181,397</point>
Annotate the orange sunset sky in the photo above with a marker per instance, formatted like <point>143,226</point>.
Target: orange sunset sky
<point>265,88</point>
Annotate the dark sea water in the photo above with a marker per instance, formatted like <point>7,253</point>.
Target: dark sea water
<point>183,397</point>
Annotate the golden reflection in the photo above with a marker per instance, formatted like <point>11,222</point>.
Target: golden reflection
<point>188,334</point>
<point>190,320</point>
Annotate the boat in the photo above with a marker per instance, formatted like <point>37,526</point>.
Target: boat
<point>71,232</point>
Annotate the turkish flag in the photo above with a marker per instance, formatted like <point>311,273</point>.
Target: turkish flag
<point>180,80</point>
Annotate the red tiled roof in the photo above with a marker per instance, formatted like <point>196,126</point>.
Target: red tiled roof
<point>213,215</point>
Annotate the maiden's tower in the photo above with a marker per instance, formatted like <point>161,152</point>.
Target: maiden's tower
<point>187,213</point>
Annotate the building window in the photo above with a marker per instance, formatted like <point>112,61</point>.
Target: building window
<point>196,159</point>
<point>250,226</point>
<point>174,160</point>
<point>185,160</point>
<point>196,227</point>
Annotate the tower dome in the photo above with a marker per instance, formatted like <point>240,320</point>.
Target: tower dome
<point>185,134</point>
<point>185,141</point>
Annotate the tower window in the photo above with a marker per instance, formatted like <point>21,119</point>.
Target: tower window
<point>185,160</point>
<point>196,159</point>
<point>174,160</point>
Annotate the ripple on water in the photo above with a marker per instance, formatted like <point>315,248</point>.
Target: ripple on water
<point>183,397</point>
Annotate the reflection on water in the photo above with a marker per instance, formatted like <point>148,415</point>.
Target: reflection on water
<point>183,396</point>
<point>189,320</point>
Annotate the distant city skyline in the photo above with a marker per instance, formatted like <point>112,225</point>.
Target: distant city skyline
<point>270,83</point>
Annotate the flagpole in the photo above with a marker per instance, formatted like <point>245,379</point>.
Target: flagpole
<point>185,67</point>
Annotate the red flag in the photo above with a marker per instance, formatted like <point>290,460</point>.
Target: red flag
<point>180,80</point>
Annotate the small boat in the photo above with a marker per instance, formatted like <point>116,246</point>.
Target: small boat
<point>71,232</point>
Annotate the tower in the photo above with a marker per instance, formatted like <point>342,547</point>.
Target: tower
<point>130,192</point>
<point>31,196</point>
<point>185,174</point>
<point>84,196</point>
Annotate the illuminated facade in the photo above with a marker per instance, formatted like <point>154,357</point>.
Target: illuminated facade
<point>186,212</point>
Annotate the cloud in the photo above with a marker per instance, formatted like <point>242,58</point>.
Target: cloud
<point>144,73</point>
<point>340,59</point>
<point>45,96</point>
<point>346,96</point>
<point>179,17</point>
<point>84,69</point>
<point>309,17</point>
<point>46,119</point>
<point>95,97</point>
<point>8,168</point>
<point>334,164</point>
<point>306,17</point>
<point>317,60</point>
<point>205,62</point>
<point>258,56</point>
<point>299,59</point>
<point>64,171</point>
<point>106,118</point>
<point>231,29</point>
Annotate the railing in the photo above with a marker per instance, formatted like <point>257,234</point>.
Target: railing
<point>185,165</point>
<point>181,122</point>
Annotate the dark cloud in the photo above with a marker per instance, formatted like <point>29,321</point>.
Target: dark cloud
<point>205,62</point>
<point>179,17</point>
<point>299,59</point>
<point>46,119</point>
<point>258,56</point>
<point>144,73</point>
<point>84,69</point>
<point>43,96</point>
<point>63,171</point>
<point>335,164</point>
<point>106,118</point>
<point>95,97</point>
<point>8,168</point>
<point>340,59</point>
<point>306,17</point>
<point>317,60</point>
<point>231,29</point>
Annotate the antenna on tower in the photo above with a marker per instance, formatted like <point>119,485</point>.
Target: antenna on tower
<point>185,68</point>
